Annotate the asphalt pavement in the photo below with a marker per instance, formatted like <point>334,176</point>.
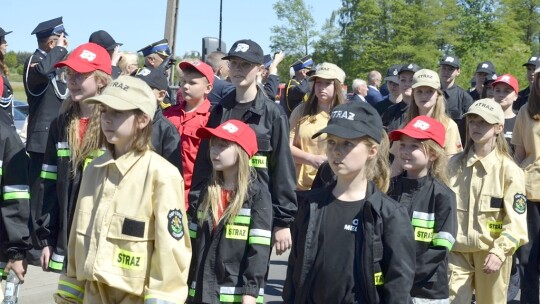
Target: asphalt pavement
<point>39,286</point>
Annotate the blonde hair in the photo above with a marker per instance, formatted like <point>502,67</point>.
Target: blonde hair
<point>440,164</point>
<point>142,138</point>
<point>378,168</point>
<point>311,108</point>
<point>211,201</point>
<point>127,59</point>
<point>501,145</point>
<point>439,110</point>
<point>92,140</point>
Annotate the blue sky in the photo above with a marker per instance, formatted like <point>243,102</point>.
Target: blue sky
<point>137,23</point>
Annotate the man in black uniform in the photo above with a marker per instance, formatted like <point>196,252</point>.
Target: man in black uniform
<point>523,95</point>
<point>158,55</point>
<point>457,99</point>
<point>45,92</point>
<point>6,101</point>
<point>297,89</point>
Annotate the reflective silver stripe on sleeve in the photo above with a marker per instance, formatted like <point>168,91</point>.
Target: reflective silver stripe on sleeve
<point>244,211</point>
<point>260,232</point>
<point>424,216</point>
<point>17,188</point>
<point>49,168</point>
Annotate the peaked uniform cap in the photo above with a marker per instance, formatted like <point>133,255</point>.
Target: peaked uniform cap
<point>3,33</point>
<point>159,47</point>
<point>305,62</point>
<point>50,27</point>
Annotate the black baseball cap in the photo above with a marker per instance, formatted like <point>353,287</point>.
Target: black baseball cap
<point>3,33</point>
<point>247,50</point>
<point>533,60</point>
<point>450,60</point>
<point>104,39</point>
<point>485,67</point>
<point>392,73</point>
<point>354,120</point>
<point>154,78</point>
<point>490,78</point>
<point>411,67</point>
<point>50,27</point>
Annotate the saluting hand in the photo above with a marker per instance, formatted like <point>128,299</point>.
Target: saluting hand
<point>62,41</point>
<point>492,264</point>
<point>116,56</point>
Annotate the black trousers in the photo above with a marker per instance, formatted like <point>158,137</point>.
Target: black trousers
<point>528,256</point>
<point>36,160</point>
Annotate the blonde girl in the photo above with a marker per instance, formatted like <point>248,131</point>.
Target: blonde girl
<point>131,205</point>
<point>309,117</point>
<point>423,189</point>
<point>428,100</point>
<point>231,227</point>
<point>341,252</point>
<point>74,139</point>
<point>491,209</point>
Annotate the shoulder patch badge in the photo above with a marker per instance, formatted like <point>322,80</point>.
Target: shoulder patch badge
<point>520,203</point>
<point>175,224</point>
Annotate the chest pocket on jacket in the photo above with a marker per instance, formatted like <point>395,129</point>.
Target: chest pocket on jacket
<point>490,203</point>
<point>132,244</point>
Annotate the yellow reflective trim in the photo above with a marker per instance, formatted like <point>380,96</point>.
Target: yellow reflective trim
<point>128,259</point>
<point>495,226</point>
<point>258,161</point>
<point>423,234</point>
<point>237,232</point>
<point>379,279</point>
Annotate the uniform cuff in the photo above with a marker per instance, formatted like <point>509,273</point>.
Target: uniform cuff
<point>499,253</point>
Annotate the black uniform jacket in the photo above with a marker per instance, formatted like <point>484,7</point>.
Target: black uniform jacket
<point>273,162</point>
<point>41,88</point>
<point>293,94</point>
<point>166,140</point>
<point>231,259</point>
<point>14,199</point>
<point>6,103</point>
<point>432,210</point>
<point>385,269</point>
<point>59,188</point>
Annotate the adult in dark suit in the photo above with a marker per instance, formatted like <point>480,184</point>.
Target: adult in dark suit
<point>221,87</point>
<point>45,92</point>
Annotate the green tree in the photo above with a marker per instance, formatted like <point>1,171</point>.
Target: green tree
<point>11,59</point>
<point>329,46</point>
<point>297,33</point>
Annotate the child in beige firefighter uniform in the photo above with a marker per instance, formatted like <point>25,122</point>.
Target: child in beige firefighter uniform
<point>128,241</point>
<point>491,209</point>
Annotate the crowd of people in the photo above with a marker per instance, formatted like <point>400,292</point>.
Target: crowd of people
<point>411,191</point>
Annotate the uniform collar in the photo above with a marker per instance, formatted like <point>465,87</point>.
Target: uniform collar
<point>123,163</point>
<point>488,163</point>
<point>257,106</point>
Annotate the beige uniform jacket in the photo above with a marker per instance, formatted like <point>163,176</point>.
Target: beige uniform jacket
<point>130,230</point>
<point>491,205</point>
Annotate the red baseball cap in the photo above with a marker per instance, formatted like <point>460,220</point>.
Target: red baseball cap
<point>86,58</point>
<point>235,131</point>
<point>201,67</point>
<point>509,80</point>
<point>422,127</point>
